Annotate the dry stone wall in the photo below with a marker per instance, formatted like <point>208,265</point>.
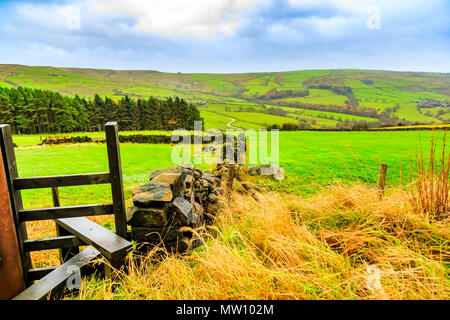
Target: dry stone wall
<point>176,201</point>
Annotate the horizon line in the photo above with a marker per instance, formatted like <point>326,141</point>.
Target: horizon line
<point>246,72</point>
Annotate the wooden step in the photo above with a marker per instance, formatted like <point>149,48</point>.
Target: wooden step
<point>52,243</point>
<point>39,273</point>
<point>110,245</point>
<point>66,212</point>
<point>55,281</point>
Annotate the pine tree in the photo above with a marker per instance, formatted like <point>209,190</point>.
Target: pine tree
<point>39,111</point>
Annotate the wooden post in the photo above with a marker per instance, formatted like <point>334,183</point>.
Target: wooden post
<point>64,253</point>
<point>9,159</point>
<point>11,273</point>
<point>115,170</point>
<point>382,179</point>
<point>55,197</point>
<point>230,177</point>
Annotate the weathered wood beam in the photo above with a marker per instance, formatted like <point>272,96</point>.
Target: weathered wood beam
<point>66,212</point>
<point>115,169</point>
<point>55,281</point>
<point>52,243</point>
<point>38,273</point>
<point>111,245</point>
<point>61,181</point>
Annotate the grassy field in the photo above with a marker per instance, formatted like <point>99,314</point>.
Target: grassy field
<point>309,237</point>
<point>327,114</point>
<point>314,235</point>
<point>343,243</point>
<point>309,158</point>
<point>229,92</point>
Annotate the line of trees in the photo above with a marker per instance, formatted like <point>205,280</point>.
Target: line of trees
<point>39,111</point>
<point>342,90</point>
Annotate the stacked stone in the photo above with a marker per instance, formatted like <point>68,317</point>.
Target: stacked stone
<point>175,201</point>
<point>276,172</point>
<point>61,140</point>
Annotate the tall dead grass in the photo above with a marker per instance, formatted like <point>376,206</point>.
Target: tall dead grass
<point>430,191</point>
<point>343,243</point>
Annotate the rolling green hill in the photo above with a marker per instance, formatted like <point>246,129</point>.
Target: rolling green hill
<point>320,98</point>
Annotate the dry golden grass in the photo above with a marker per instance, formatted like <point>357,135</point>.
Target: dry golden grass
<point>430,191</point>
<point>343,243</point>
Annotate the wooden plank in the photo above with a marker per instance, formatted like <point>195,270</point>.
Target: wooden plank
<point>11,273</point>
<point>64,253</point>
<point>56,280</point>
<point>115,169</point>
<point>38,273</point>
<point>52,243</point>
<point>111,245</point>
<point>61,181</point>
<point>9,158</point>
<point>66,212</point>
<point>55,197</point>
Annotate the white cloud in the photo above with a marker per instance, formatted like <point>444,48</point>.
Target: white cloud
<point>196,18</point>
<point>362,7</point>
<point>348,6</point>
<point>54,16</point>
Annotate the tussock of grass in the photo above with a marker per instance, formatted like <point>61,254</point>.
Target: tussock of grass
<point>430,192</point>
<point>343,243</point>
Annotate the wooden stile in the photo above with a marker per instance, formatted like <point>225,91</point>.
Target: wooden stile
<point>73,229</point>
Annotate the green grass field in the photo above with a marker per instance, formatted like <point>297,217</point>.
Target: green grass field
<point>313,238</point>
<point>327,114</point>
<point>311,159</point>
<point>294,224</point>
<point>229,92</point>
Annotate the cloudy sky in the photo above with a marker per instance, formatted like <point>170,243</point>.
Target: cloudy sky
<point>228,35</point>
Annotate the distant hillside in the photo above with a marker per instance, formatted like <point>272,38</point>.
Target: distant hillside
<point>315,98</point>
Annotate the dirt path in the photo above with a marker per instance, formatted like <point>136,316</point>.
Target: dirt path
<point>232,121</point>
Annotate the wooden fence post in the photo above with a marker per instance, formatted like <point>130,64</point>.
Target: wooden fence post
<point>15,196</point>
<point>11,273</point>
<point>64,253</point>
<point>230,178</point>
<point>115,169</point>
<point>382,179</point>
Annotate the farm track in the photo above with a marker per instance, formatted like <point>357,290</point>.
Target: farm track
<point>232,121</point>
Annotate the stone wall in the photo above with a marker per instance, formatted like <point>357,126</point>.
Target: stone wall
<point>176,201</point>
